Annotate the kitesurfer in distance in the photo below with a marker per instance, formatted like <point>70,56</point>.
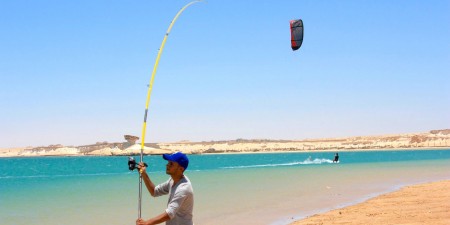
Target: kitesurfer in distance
<point>178,187</point>
<point>336,158</point>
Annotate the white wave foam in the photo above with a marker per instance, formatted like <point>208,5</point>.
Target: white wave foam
<point>58,175</point>
<point>305,162</point>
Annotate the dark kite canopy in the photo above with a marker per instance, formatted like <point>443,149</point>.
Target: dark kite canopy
<point>296,34</point>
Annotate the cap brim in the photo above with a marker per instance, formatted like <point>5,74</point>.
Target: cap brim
<point>167,157</point>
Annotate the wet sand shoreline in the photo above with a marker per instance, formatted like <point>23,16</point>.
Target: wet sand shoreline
<point>427,203</point>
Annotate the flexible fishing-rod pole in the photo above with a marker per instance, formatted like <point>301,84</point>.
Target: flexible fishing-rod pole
<point>150,87</point>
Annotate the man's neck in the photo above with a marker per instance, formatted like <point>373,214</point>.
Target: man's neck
<point>176,178</point>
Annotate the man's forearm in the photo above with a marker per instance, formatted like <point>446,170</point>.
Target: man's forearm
<point>163,217</point>
<point>148,183</point>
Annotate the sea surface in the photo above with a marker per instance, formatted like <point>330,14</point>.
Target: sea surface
<point>260,188</point>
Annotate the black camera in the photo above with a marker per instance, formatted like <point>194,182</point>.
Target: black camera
<point>132,164</point>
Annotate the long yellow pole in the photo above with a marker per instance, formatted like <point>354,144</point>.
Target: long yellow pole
<point>150,87</point>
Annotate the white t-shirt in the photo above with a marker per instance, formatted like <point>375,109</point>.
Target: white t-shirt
<point>181,200</point>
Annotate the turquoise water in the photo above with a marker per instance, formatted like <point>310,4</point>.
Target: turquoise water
<point>272,188</point>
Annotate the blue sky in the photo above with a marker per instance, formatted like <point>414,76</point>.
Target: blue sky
<point>76,72</point>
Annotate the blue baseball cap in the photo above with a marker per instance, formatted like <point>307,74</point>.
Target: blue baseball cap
<point>178,157</point>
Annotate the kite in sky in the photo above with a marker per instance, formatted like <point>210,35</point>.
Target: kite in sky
<point>296,34</point>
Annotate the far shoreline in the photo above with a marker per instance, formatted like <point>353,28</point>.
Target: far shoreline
<point>432,140</point>
<point>331,151</point>
<point>240,152</point>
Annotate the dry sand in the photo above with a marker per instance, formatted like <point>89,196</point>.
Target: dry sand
<point>419,204</point>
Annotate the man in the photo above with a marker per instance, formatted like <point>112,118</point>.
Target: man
<point>178,187</point>
<point>336,158</point>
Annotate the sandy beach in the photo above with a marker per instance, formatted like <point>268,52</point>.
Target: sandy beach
<point>419,204</point>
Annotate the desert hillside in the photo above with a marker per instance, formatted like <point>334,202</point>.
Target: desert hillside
<point>431,139</point>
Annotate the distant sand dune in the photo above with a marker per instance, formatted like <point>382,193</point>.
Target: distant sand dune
<point>427,140</point>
